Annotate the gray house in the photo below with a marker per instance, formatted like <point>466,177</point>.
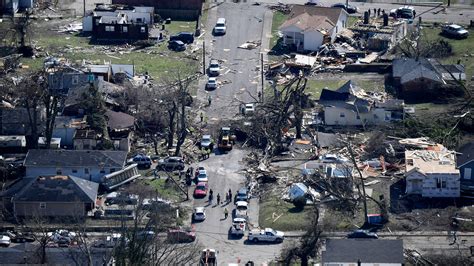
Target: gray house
<point>61,82</point>
<point>465,164</point>
<point>55,196</point>
<point>367,252</point>
<point>108,168</point>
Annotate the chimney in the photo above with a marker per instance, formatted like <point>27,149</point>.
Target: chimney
<point>385,20</point>
<point>366,17</point>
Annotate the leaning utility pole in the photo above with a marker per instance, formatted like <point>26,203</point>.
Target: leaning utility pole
<point>262,77</point>
<point>351,153</point>
<point>204,58</point>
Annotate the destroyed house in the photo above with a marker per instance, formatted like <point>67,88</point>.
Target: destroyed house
<point>465,164</point>
<point>116,22</point>
<point>175,9</point>
<point>62,82</point>
<point>432,173</point>
<point>424,77</point>
<point>308,27</point>
<point>54,196</point>
<point>381,34</point>
<point>352,106</point>
<point>13,6</point>
<point>107,168</point>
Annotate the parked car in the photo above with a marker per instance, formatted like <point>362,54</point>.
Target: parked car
<point>109,241</point>
<point>207,142</point>
<point>362,234</point>
<point>241,209</point>
<point>454,31</point>
<point>185,37</point>
<point>221,27</point>
<point>214,68</point>
<point>177,46</point>
<point>202,176</point>
<point>238,227</point>
<point>211,84</point>
<point>407,12</point>
<point>242,195</point>
<point>200,190</point>
<point>266,235</point>
<point>142,160</point>
<point>248,109</point>
<point>17,237</point>
<point>181,235</point>
<point>171,163</point>
<point>5,241</point>
<point>349,9</point>
<point>199,214</point>
<point>145,235</point>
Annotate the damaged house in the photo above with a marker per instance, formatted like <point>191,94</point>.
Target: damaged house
<point>424,77</point>
<point>175,9</point>
<point>352,106</point>
<point>116,22</point>
<point>432,173</point>
<point>308,27</point>
<point>465,164</point>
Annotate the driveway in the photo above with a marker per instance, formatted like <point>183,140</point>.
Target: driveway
<point>240,79</point>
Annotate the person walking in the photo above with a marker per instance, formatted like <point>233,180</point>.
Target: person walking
<point>211,192</point>
<point>226,213</point>
<point>226,197</point>
<point>210,199</point>
<point>230,195</point>
<point>218,199</point>
<point>209,99</point>
<point>202,117</point>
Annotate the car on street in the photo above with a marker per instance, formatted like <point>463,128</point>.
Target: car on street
<point>241,209</point>
<point>5,241</point>
<point>177,46</point>
<point>362,234</point>
<point>207,142</point>
<point>202,176</point>
<point>211,83</point>
<point>208,257</point>
<point>200,191</point>
<point>237,229</point>
<point>349,9</point>
<point>145,235</point>
<point>181,235</point>
<point>266,235</point>
<point>214,68</point>
<point>454,31</point>
<point>109,241</point>
<point>142,161</point>
<point>221,27</point>
<point>171,163</point>
<point>185,37</point>
<point>199,214</point>
<point>406,12</point>
<point>242,195</point>
<point>248,108</point>
<point>17,237</point>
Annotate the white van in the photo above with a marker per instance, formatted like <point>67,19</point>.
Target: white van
<point>220,27</point>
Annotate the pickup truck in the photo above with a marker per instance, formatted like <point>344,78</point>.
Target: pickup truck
<point>238,227</point>
<point>266,235</point>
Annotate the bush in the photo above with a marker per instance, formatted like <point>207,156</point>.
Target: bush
<point>300,202</point>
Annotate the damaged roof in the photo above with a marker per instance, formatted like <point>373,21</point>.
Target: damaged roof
<point>75,158</point>
<point>307,22</point>
<point>465,154</point>
<point>119,120</point>
<point>408,69</point>
<point>58,188</point>
<point>366,250</point>
<point>332,14</point>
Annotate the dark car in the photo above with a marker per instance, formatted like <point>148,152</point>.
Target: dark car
<point>17,237</point>
<point>186,37</point>
<point>176,46</point>
<point>362,234</point>
<point>242,195</point>
<point>182,235</point>
<point>349,9</point>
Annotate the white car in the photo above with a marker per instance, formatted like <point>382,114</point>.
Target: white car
<point>248,109</point>
<point>211,84</point>
<point>110,241</point>
<point>238,227</point>
<point>206,142</point>
<point>214,68</point>
<point>5,241</point>
<point>199,214</point>
<point>454,31</point>
<point>220,28</point>
<point>241,209</point>
<point>266,235</point>
<point>202,176</point>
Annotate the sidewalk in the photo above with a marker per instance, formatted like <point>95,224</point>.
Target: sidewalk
<point>387,234</point>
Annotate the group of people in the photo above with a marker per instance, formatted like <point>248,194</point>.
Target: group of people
<point>228,199</point>
<point>377,12</point>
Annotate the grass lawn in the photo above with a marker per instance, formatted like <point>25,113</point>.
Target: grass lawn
<point>277,21</point>
<point>315,87</point>
<point>462,49</point>
<point>290,220</point>
<point>164,189</point>
<point>178,26</point>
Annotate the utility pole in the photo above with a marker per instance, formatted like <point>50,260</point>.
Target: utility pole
<point>84,4</point>
<point>204,58</point>
<point>364,200</point>
<point>261,76</point>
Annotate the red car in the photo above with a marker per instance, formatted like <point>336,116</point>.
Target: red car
<point>182,235</point>
<point>201,190</point>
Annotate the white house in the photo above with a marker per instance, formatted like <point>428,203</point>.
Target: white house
<point>104,167</point>
<point>352,106</point>
<point>141,14</point>
<point>308,27</point>
<point>432,173</point>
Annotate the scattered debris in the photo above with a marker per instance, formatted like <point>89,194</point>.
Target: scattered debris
<point>249,45</point>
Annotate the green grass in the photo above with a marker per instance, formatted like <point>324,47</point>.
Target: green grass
<point>277,21</point>
<point>315,87</point>
<point>178,26</point>
<point>460,49</point>
<point>164,189</point>
<point>274,206</point>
